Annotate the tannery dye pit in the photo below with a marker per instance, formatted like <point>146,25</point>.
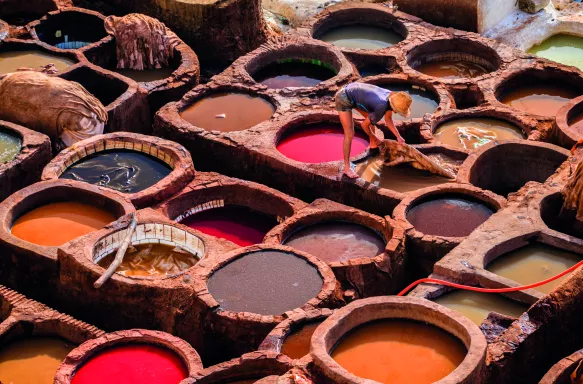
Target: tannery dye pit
<point>293,73</point>
<point>361,37</point>
<point>453,69</point>
<point>539,99</point>
<point>471,133</point>
<point>10,146</point>
<point>297,344</point>
<point>562,48</point>
<point>11,61</point>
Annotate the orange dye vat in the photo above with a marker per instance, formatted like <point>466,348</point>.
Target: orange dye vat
<point>57,223</point>
<point>399,352</point>
<point>297,344</point>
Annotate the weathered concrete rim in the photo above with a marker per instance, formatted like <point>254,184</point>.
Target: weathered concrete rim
<point>560,372</point>
<point>565,133</point>
<point>31,27</point>
<point>85,351</point>
<point>492,200</point>
<point>362,311</point>
<point>250,365</point>
<point>206,268</point>
<point>171,153</point>
<point>37,194</point>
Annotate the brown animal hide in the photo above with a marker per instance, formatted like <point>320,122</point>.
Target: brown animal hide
<point>395,153</point>
<point>61,109</point>
<point>141,41</point>
<point>573,194</point>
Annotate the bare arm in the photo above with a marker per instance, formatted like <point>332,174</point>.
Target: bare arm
<point>391,126</point>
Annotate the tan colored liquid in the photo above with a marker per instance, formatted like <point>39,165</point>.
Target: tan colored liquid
<point>401,178</point>
<point>11,61</point>
<point>453,69</point>
<point>32,361</point>
<point>534,263</point>
<point>57,223</point>
<point>473,133</point>
<point>476,305</point>
<point>399,352</point>
<point>151,260</point>
<point>297,344</point>
<point>544,100</point>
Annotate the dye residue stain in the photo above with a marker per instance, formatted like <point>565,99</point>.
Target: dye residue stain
<point>9,147</point>
<point>293,74</point>
<point>239,225</point>
<point>448,216</point>
<point>11,61</point>
<point>476,132</point>
<point>33,360</point>
<point>544,99</point>
<point>266,283</point>
<point>146,75</point>
<point>401,178</point>
<point>476,305</point>
<point>453,69</point>
<point>423,100</point>
<point>131,364</point>
<point>337,241</point>
<point>151,260</point>
<point>319,143</point>
<point>228,112</point>
<point>57,223</point>
<point>534,263</point>
<point>399,352</point>
<point>361,37</point>
<point>562,48</point>
<point>124,171</point>
<point>297,344</point>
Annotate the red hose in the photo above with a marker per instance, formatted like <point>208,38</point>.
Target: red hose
<point>488,290</point>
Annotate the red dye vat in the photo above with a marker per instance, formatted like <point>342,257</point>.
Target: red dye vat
<point>131,364</point>
<point>319,143</point>
<point>239,225</point>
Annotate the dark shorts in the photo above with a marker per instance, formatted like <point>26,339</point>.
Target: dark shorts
<point>343,104</point>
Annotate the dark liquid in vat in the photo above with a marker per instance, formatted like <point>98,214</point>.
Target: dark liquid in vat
<point>265,282</point>
<point>297,344</point>
<point>124,171</point>
<point>337,241</point>
<point>294,74</point>
<point>449,216</point>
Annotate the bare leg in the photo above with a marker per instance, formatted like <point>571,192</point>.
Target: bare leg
<point>348,126</point>
<point>369,129</point>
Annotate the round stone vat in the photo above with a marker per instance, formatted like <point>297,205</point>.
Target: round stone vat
<point>357,27</point>
<point>345,340</point>
<point>454,59</point>
<point>296,64</point>
<point>550,209</point>
<point>539,92</point>
<point>246,369</point>
<point>136,355</point>
<point>565,371</point>
<point>227,111</point>
<point>269,282</point>
<point>364,251</point>
<point>30,54</point>
<point>318,142</point>
<point>568,125</point>
<point>70,28</point>
<point>437,219</point>
<point>563,48</point>
<point>292,337</point>
<point>64,209</point>
<point>505,167</point>
<point>470,132</point>
<point>145,169</point>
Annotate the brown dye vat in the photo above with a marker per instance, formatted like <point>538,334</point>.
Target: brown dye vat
<point>540,99</point>
<point>265,282</point>
<point>228,112</point>
<point>337,241</point>
<point>13,60</point>
<point>450,216</point>
<point>297,344</point>
<point>401,178</point>
<point>57,223</point>
<point>399,352</point>
<point>471,133</point>
<point>32,360</point>
<point>453,69</point>
<point>476,305</point>
<point>151,260</point>
<point>533,263</point>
